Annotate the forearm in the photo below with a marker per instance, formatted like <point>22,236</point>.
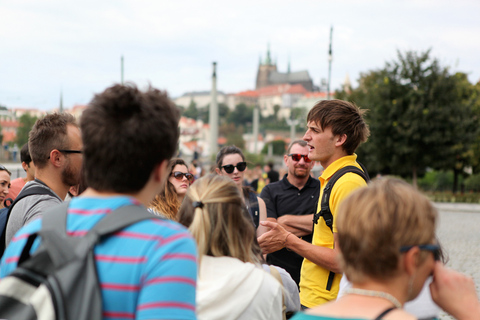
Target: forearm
<point>298,225</point>
<point>321,256</point>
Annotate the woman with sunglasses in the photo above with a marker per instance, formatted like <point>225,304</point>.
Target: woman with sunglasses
<point>231,163</point>
<point>386,239</point>
<point>167,202</point>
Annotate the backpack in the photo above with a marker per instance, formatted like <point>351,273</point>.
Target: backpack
<point>325,211</point>
<point>59,281</point>
<point>26,192</point>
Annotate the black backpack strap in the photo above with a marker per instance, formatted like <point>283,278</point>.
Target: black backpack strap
<point>325,211</point>
<point>26,192</point>
<point>381,315</point>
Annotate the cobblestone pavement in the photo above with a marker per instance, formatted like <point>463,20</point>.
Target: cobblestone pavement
<point>459,234</point>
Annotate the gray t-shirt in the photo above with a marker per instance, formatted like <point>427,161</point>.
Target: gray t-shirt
<point>29,208</point>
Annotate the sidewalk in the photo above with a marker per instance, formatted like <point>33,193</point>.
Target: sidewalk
<point>458,207</point>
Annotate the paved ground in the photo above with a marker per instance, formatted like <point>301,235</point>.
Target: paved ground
<point>459,233</point>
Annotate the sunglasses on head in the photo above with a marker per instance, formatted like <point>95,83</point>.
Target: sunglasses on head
<point>433,248</point>
<point>298,156</point>
<point>179,175</point>
<point>229,168</point>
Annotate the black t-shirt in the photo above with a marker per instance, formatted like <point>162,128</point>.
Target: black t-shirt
<point>283,198</point>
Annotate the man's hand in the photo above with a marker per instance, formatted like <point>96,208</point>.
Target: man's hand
<point>274,239</point>
<point>455,293</point>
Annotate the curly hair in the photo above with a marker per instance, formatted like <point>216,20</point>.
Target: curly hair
<point>166,202</point>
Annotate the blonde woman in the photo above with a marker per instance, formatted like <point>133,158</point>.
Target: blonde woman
<point>231,283</point>
<point>386,236</point>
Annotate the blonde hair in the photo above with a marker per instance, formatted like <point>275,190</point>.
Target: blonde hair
<point>374,222</point>
<point>220,222</point>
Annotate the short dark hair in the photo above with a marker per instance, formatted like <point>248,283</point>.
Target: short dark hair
<point>226,151</point>
<point>25,154</point>
<point>126,133</point>
<point>302,143</point>
<point>47,134</point>
<point>342,117</point>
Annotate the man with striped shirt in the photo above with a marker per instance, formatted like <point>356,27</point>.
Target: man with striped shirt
<point>148,270</point>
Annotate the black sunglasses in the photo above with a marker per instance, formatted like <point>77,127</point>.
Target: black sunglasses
<point>434,248</point>
<point>179,175</point>
<point>229,168</point>
<point>297,157</point>
<point>68,151</point>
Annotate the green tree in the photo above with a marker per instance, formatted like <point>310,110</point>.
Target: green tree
<point>242,115</point>
<point>26,123</point>
<point>416,116</point>
<point>191,111</point>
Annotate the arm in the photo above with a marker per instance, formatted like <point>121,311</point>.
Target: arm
<point>298,225</point>
<point>263,217</point>
<point>455,293</point>
<point>278,238</point>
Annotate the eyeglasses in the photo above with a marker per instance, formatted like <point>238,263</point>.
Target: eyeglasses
<point>434,248</point>
<point>229,168</point>
<point>179,175</point>
<point>297,157</point>
<point>68,151</point>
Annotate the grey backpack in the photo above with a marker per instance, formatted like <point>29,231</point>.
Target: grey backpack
<point>59,281</point>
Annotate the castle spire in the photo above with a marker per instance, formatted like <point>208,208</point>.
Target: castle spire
<point>268,59</point>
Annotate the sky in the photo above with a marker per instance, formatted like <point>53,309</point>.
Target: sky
<point>74,48</point>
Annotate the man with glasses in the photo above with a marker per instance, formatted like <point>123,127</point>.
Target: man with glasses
<point>149,269</point>
<point>291,202</point>
<point>335,129</point>
<point>55,145</point>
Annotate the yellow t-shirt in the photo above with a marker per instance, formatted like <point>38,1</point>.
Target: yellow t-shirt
<point>313,278</point>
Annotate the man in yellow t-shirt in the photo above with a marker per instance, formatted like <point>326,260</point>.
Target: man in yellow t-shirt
<point>335,129</point>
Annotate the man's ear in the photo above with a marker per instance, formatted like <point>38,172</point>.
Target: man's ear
<point>218,171</point>
<point>56,158</point>
<point>341,139</point>
<point>24,166</point>
<point>285,159</point>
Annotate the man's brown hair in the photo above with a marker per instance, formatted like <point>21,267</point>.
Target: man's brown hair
<point>126,133</point>
<point>342,117</point>
<point>47,134</point>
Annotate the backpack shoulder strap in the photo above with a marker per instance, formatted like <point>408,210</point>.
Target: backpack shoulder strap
<point>325,211</point>
<point>26,192</point>
<point>54,229</point>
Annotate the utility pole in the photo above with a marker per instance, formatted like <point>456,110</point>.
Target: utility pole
<point>121,70</point>
<point>255,128</point>
<point>60,109</point>
<point>329,64</point>
<point>213,118</point>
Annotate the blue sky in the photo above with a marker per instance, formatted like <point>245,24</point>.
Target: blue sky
<point>75,47</point>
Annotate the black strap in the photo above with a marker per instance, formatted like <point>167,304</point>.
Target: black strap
<point>381,315</point>
<point>26,192</point>
<point>325,211</point>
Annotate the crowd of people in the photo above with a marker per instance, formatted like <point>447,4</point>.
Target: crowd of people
<point>275,247</point>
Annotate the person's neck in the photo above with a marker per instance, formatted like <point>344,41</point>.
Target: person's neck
<point>180,198</point>
<point>53,181</point>
<point>394,287</point>
<point>337,155</point>
<point>296,181</point>
<point>92,193</point>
